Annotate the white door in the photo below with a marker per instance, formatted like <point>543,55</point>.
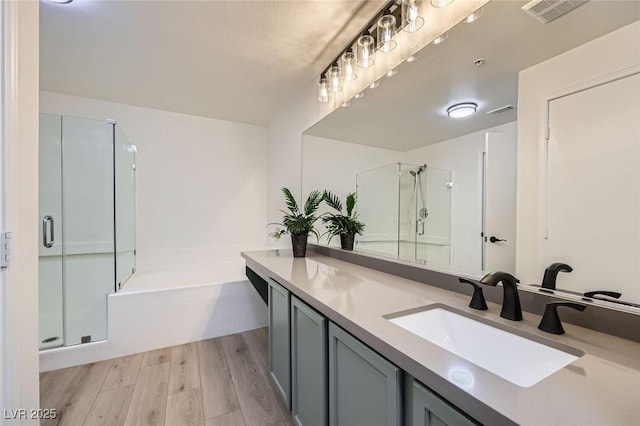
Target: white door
<point>593,187</point>
<point>499,242</point>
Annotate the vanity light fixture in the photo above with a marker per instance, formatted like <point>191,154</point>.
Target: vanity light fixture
<point>441,3</point>
<point>392,73</point>
<point>473,17</point>
<point>462,110</point>
<point>358,95</point>
<point>440,38</point>
<point>412,58</point>
<point>386,31</point>
<point>323,90</point>
<point>378,35</point>
<point>346,104</point>
<point>411,19</point>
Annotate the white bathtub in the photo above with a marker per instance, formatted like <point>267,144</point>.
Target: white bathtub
<point>157,308</point>
<point>185,276</point>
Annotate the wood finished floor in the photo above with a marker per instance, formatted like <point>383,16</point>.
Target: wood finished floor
<point>216,382</point>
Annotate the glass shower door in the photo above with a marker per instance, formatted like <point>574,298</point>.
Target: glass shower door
<point>433,243</point>
<point>378,207</point>
<point>76,248</point>
<point>88,233</point>
<point>50,231</point>
<point>125,179</point>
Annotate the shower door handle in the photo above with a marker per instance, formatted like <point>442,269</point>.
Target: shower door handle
<point>48,232</point>
<point>420,227</point>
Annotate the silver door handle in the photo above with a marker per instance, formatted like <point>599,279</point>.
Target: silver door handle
<point>48,230</point>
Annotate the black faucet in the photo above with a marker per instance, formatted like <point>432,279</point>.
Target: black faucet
<point>551,321</point>
<point>477,300</point>
<point>511,301</point>
<point>551,273</point>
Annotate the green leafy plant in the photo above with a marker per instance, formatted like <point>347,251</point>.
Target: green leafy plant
<point>296,221</point>
<point>338,223</point>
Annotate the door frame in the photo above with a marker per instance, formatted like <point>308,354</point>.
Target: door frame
<point>19,72</point>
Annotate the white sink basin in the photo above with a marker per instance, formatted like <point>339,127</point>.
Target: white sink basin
<point>517,359</point>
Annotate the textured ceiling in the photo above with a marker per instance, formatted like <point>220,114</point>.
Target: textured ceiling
<point>233,60</point>
<point>409,110</point>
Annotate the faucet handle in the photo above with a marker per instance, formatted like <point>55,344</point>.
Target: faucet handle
<point>551,320</point>
<point>613,294</point>
<point>477,300</point>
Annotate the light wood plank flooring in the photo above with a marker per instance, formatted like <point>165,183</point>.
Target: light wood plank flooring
<point>216,382</point>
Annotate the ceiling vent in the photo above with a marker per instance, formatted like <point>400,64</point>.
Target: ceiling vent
<point>547,10</point>
<point>501,109</point>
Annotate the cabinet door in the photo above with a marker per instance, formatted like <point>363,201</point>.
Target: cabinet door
<point>364,388</point>
<point>279,344</point>
<point>424,408</point>
<point>308,365</point>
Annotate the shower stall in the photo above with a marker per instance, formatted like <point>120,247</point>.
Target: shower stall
<point>407,212</point>
<point>87,225</point>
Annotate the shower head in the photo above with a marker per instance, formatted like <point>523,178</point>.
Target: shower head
<point>420,170</point>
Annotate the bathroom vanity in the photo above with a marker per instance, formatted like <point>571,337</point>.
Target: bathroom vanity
<point>337,357</point>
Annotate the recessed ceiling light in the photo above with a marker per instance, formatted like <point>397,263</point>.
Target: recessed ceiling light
<point>412,58</point>
<point>374,84</point>
<point>440,38</point>
<point>359,95</point>
<point>392,73</point>
<point>462,110</point>
<point>346,104</point>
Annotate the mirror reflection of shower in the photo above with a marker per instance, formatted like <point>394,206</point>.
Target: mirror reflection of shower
<point>407,209</point>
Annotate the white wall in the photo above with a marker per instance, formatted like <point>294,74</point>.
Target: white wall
<point>463,157</point>
<point>605,56</point>
<point>200,181</point>
<point>19,295</point>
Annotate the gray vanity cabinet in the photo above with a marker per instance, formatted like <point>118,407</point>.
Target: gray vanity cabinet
<point>279,343</point>
<point>308,365</point>
<point>424,408</point>
<point>364,388</point>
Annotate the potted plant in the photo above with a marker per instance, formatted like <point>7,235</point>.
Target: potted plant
<point>299,223</point>
<point>338,224</point>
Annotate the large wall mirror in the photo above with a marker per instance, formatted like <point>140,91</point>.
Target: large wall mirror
<point>442,191</point>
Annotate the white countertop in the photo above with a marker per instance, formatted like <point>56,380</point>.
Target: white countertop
<point>600,388</point>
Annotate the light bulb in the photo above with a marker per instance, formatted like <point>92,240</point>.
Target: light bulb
<point>411,19</point>
<point>323,90</point>
<point>348,66</point>
<point>386,31</point>
<point>365,49</point>
<point>335,79</point>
